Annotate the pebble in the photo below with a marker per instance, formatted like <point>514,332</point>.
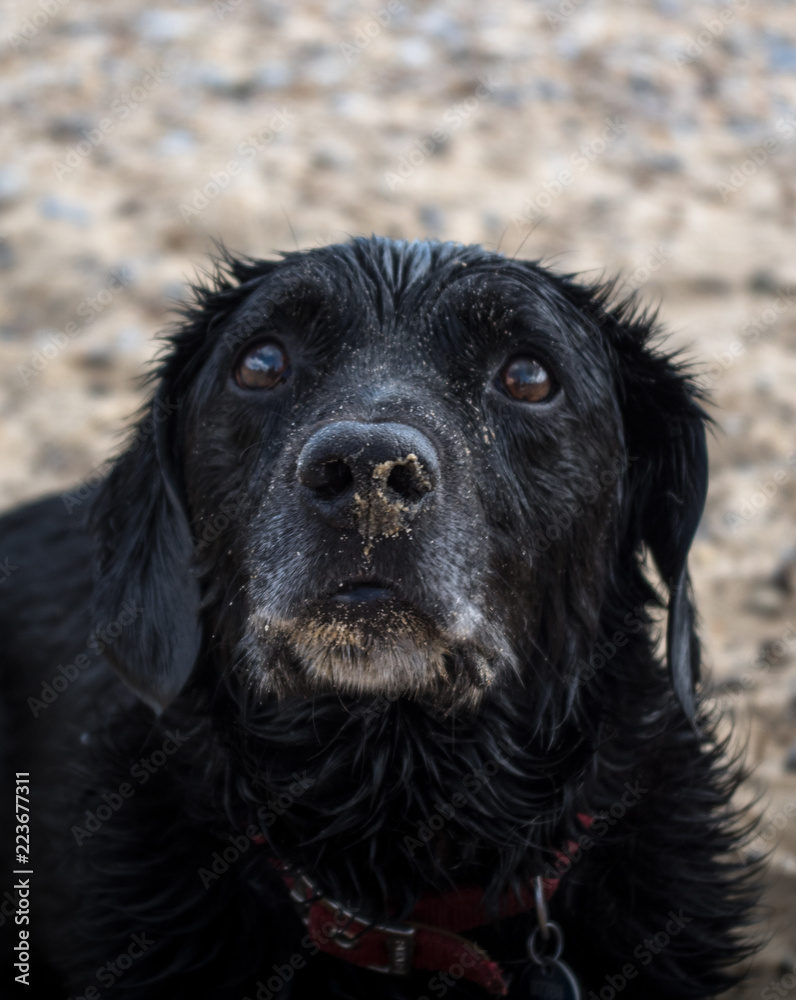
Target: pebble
<point>97,358</point>
<point>12,183</point>
<point>766,600</point>
<point>7,256</point>
<point>790,759</point>
<point>432,219</point>
<point>415,52</point>
<point>441,25</point>
<point>225,83</point>
<point>53,207</point>
<point>164,25</point>
<point>176,292</point>
<point>784,577</point>
<point>131,340</point>
<point>775,652</point>
<point>68,128</point>
<point>781,54</point>
<point>324,68</point>
<point>274,76</point>
<point>175,143</point>
<point>764,282</point>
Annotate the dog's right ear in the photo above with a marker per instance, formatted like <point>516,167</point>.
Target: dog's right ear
<point>146,597</point>
<point>146,587</point>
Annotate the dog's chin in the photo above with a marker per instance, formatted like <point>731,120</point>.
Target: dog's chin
<point>371,648</point>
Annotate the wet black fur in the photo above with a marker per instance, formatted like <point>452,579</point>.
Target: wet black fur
<point>559,737</point>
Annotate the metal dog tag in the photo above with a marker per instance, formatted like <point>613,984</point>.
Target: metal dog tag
<point>553,980</point>
<point>547,977</point>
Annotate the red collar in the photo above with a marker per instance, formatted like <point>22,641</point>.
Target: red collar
<point>430,939</point>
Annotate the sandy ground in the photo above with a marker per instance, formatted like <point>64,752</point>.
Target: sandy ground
<point>657,141</point>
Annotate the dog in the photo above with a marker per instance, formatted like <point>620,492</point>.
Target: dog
<point>344,681</point>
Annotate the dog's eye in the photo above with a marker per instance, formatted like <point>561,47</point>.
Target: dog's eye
<point>524,379</point>
<point>262,367</point>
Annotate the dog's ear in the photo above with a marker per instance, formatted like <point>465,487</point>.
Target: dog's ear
<point>146,586</point>
<point>146,598</point>
<point>666,481</point>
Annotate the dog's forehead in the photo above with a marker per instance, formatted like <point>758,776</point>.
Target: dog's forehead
<point>389,280</point>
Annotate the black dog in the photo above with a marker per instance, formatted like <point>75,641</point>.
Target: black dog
<point>372,573</point>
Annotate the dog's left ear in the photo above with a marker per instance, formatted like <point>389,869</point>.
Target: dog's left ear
<point>667,477</point>
<point>145,587</point>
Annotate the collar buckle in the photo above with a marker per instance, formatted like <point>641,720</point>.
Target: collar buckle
<point>398,938</point>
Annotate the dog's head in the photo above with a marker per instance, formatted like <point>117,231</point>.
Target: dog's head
<point>416,470</point>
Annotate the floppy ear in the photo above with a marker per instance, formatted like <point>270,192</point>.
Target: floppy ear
<point>145,574</point>
<point>145,581</point>
<point>667,476</point>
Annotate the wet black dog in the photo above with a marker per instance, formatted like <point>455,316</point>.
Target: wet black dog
<point>369,604</point>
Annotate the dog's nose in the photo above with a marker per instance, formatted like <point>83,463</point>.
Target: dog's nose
<point>377,474</point>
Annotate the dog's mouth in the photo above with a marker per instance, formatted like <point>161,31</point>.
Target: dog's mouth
<point>366,613</point>
<point>368,593</point>
<point>366,636</point>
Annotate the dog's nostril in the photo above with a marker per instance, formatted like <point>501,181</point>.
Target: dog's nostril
<point>408,481</point>
<point>334,478</point>
<point>326,477</point>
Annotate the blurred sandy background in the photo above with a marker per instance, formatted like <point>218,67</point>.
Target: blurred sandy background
<point>656,140</point>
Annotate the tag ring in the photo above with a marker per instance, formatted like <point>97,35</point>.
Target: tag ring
<point>554,933</point>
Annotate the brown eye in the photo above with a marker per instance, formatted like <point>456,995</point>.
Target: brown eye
<point>262,367</point>
<point>524,379</point>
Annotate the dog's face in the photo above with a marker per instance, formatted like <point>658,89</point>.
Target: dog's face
<point>426,459</point>
<point>405,444</point>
